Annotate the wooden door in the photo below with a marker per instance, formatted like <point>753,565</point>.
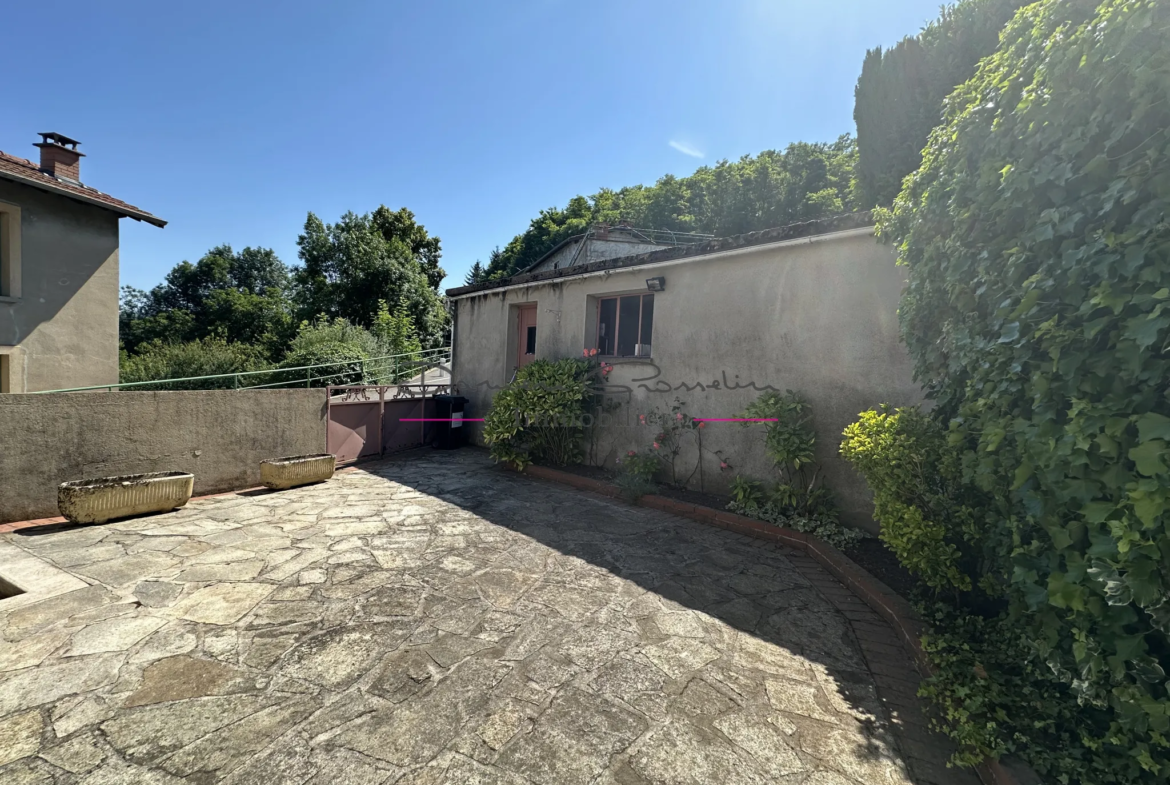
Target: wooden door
<point>526,335</point>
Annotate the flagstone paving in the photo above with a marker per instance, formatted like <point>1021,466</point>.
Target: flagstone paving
<point>431,620</point>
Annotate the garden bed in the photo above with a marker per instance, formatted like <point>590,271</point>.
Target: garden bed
<point>870,553</point>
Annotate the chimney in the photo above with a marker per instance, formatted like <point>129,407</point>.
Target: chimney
<point>60,158</point>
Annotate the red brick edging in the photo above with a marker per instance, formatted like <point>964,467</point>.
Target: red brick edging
<point>881,599</point>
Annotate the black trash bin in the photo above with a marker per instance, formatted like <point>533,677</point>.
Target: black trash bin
<point>451,433</point>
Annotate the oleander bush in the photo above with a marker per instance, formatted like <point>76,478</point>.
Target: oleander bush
<point>543,413</point>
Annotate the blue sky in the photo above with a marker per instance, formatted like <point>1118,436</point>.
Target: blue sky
<point>233,120</point>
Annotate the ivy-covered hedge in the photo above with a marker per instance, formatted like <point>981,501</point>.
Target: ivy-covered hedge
<point>1037,237</point>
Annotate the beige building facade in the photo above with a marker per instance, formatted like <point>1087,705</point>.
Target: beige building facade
<point>58,273</point>
<point>810,308</point>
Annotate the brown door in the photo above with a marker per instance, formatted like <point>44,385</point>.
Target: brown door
<point>526,337</point>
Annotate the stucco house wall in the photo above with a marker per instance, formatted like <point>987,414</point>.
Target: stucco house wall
<point>817,315</point>
<point>62,330</point>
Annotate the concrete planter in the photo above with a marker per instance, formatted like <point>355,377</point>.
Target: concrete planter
<point>282,473</point>
<point>97,501</point>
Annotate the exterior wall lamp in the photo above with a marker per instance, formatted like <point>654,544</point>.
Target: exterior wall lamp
<point>656,284</point>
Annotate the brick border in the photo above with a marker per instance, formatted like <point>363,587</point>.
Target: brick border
<point>896,612</point>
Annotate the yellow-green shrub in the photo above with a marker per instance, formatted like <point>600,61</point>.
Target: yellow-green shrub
<point>917,495</point>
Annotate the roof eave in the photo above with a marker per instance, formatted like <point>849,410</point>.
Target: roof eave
<point>137,215</point>
<point>781,234</point>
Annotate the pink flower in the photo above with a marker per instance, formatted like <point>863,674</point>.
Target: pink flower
<point>678,416</point>
<point>593,352</point>
<point>630,453</point>
<point>655,445</point>
<point>584,352</point>
<point>702,425</point>
<point>723,464</point>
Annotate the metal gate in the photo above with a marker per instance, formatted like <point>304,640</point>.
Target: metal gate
<point>365,421</point>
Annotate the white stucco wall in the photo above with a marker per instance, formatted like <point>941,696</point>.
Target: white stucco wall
<point>818,317</point>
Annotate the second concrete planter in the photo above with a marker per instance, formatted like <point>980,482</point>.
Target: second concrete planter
<point>100,500</point>
<point>282,473</point>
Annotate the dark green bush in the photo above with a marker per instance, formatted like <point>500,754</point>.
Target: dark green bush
<point>205,357</point>
<point>543,413</point>
<point>1037,313</point>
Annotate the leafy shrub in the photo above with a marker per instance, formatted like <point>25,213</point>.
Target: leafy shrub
<point>1037,312</point>
<point>995,697</point>
<point>344,346</point>
<point>542,414</point>
<point>636,473</point>
<point>799,500</point>
<point>674,427</point>
<point>205,357</point>
<point>918,495</point>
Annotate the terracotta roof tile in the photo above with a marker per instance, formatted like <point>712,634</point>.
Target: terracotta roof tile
<point>24,171</point>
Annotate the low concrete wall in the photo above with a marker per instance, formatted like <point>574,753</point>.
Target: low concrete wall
<point>220,436</point>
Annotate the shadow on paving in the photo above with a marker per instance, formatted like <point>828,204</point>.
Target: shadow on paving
<point>786,624</point>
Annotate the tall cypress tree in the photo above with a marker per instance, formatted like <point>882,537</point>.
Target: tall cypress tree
<point>900,93</point>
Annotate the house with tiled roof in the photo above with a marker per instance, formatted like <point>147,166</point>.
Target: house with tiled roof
<point>58,272</point>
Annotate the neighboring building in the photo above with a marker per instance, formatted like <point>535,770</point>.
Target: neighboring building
<point>810,307</point>
<point>603,241</point>
<point>58,272</point>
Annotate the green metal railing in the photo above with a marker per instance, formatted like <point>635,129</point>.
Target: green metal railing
<point>388,369</point>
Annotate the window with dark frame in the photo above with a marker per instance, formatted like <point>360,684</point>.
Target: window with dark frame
<point>625,325</point>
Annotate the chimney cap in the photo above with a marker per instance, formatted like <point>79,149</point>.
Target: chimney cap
<point>54,139</point>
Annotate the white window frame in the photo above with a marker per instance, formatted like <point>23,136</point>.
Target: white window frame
<point>9,253</point>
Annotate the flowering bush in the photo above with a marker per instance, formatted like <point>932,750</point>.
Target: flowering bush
<point>636,473</point>
<point>543,413</point>
<point>674,428</point>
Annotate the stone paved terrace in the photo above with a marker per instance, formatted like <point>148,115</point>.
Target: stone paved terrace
<point>434,619</point>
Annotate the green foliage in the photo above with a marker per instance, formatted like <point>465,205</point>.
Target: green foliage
<point>349,268</point>
<point>239,297</point>
<point>394,332</point>
<point>543,413</point>
<point>636,473</point>
<point>202,357</point>
<point>336,341</point>
<point>351,271</point>
<point>802,183</point>
<point>1038,315</point>
<point>798,500</point>
<point>674,429</point>
<point>928,516</point>
<point>477,274</point>
<point>747,493</point>
<point>996,698</point>
<point>899,95</point>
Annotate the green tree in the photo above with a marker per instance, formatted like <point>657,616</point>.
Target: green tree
<point>476,274</point>
<point>352,266</point>
<point>899,95</point>
<point>212,356</point>
<point>1037,312</point>
<point>804,182</point>
<point>240,297</point>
